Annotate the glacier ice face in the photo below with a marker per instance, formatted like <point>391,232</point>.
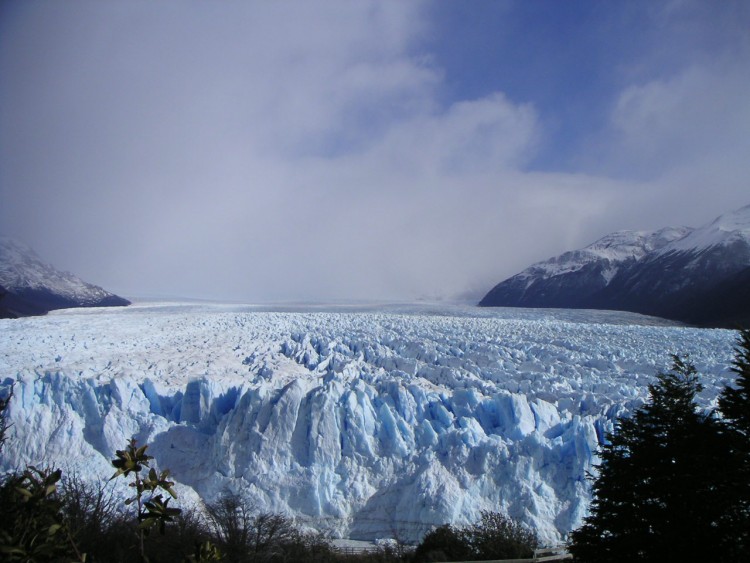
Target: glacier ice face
<point>359,422</point>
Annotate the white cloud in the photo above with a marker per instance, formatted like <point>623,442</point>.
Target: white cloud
<point>686,137</point>
<point>274,150</point>
<point>469,137</point>
<point>699,112</point>
<point>270,151</point>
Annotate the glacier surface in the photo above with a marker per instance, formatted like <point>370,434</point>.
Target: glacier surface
<point>364,422</point>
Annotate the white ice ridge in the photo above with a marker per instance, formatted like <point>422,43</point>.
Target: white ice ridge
<point>360,423</point>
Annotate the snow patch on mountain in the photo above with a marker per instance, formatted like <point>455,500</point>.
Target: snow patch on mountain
<point>697,276</point>
<point>21,268</point>
<point>353,422</point>
<point>611,251</point>
<point>727,229</point>
<point>24,275</point>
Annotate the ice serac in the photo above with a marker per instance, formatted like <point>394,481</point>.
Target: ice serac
<point>29,286</point>
<point>699,276</point>
<point>363,424</point>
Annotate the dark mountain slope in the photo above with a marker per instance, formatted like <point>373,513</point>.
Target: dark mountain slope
<point>29,286</point>
<point>695,276</point>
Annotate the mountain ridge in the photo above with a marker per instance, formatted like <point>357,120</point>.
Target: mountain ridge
<point>30,286</point>
<point>696,276</point>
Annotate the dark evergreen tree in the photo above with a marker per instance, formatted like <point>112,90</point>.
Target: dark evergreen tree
<point>660,495</point>
<point>734,402</point>
<point>734,405</point>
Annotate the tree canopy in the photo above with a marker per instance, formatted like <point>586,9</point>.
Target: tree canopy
<point>673,481</point>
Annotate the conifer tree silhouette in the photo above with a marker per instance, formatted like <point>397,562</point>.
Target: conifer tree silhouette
<point>660,495</point>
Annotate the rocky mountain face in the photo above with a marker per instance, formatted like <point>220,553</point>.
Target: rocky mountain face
<point>697,276</point>
<point>29,286</point>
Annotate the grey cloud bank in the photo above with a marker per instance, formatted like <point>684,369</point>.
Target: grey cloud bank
<point>300,151</point>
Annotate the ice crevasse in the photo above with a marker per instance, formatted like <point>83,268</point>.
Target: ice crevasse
<point>363,426</point>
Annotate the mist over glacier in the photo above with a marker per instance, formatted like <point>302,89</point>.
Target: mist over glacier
<point>359,421</point>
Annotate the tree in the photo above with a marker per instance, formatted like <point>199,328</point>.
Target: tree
<point>445,543</point>
<point>231,519</point>
<point>243,536</point>
<point>659,495</point>
<point>734,405</point>
<point>734,402</point>
<point>495,536</point>
<point>272,534</point>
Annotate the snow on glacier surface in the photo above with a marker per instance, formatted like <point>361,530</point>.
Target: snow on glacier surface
<point>360,421</point>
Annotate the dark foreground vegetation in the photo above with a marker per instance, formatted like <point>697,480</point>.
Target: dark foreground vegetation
<point>673,485</point>
<point>674,482</point>
<point>46,518</point>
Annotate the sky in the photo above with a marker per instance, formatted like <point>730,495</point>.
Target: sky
<point>361,150</point>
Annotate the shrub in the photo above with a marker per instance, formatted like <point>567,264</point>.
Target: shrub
<point>495,536</point>
<point>90,511</point>
<point>4,425</point>
<point>31,522</point>
<point>445,543</point>
<point>152,510</point>
<point>244,536</point>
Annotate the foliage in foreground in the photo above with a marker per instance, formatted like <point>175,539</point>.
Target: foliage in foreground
<point>246,535</point>
<point>32,527</point>
<point>673,483</point>
<point>495,536</point>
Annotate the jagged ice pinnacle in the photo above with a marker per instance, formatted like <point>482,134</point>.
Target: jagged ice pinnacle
<point>359,423</point>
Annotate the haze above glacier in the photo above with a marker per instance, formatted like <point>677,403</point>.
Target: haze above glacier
<point>355,420</point>
<point>360,150</point>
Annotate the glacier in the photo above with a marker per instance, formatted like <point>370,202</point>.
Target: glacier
<point>362,421</point>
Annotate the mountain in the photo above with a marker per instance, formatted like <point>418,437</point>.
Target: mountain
<point>29,286</point>
<point>697,276</point>
<point>569,280</point>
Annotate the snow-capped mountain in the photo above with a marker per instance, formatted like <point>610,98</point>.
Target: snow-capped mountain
<point>29,286</point>
<point>363,424</point>
<point>699,276</point>
<point>569,280</point>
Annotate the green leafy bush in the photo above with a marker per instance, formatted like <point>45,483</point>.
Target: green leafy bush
<point>31,522</point>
